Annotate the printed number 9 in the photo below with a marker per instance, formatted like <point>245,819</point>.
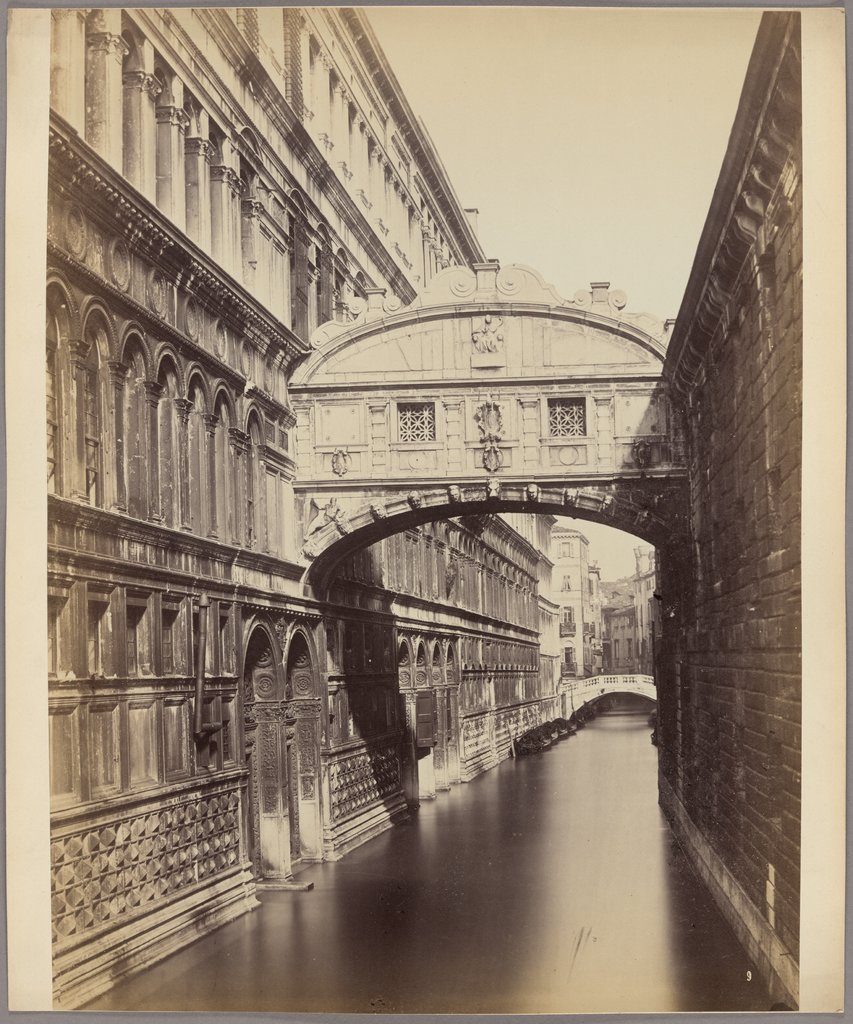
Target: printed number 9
<point>749,975</point>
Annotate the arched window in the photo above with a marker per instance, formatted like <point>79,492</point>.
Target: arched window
<point>56,332</point>
<point>169,445</point>
<point>225,473</point>
<point>197,460</point>
<point>253,486</point>
<point>89,418</point>
<point>136,436</point>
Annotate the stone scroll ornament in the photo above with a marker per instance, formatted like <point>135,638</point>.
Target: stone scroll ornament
<point>489,419</point>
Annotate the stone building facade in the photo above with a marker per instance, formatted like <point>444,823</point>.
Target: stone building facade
<point>576,583</point>
<point>221,182</point>
<point>631,621</point>
<point>729,675</point>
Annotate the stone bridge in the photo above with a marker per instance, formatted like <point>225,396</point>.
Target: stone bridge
<point>489,393</point>
<point>584,691</point>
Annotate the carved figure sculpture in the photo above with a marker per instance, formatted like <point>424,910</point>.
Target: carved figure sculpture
<point>488,337</point>
<point>325,514</point>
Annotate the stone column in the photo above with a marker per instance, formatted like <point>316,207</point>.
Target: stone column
<point>237,188</point>
<point>239,442</point>
<point>139,163</point>
<point>118,375</point>
<point>153,394</point>
<point>172,124</point>
<point>184,407</point>
<point>210,424</point>
<point>68,67</point>
<point>250,241</point>
<point>414,239</point>
<point>411,788</point>
<point>361,159</point>
<point>322,102</point>
<point>197,151</point>
<point>105,51</point>
<point>426,248</point>
<point>225,186</point>
<point>286,285</point>
<point>338,122</point>
<point>380,191</point>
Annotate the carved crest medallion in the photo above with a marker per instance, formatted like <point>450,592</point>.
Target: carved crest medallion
<point>341,462</point>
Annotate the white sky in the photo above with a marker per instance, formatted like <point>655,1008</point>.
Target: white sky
<point>590,140</point>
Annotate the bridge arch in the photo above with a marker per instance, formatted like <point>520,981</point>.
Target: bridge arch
<point>652,510</point>
<point>584,692</point>
<point>488,393</point>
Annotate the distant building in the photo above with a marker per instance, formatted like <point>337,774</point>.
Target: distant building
<point>631,619</point>
<point>576,592</point>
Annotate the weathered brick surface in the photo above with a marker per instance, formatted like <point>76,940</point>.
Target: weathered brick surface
<point>730,674</point>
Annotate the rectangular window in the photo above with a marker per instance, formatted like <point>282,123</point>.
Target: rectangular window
<point>567,417</point>
<point>137,655</point>
<point>225,645</point>
<point>54,607</point>
<point>168,638</point>
<point>95,637</point>
<point>227,727</point>
<point>416,421</point>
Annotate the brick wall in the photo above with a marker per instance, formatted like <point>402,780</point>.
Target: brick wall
<point>731,673</point>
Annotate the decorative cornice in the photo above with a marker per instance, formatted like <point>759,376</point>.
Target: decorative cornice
<point>76,170</point>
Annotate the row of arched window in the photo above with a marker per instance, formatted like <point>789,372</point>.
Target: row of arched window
<point>125,437</point>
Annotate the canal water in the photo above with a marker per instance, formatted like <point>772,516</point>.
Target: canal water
<point>551,884</point>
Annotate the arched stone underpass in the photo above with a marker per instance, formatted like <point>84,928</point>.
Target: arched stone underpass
<point>652,509</point>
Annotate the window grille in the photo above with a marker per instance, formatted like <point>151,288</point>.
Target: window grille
<point>416,421</point>
<point>567,417</point>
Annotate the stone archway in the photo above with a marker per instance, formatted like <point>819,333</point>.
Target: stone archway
<point>281,711</point>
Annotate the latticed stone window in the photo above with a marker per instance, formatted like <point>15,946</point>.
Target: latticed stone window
<point>416,421</point>
<point>567,417</point>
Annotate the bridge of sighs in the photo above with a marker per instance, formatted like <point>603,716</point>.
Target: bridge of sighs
<point>490,392</point>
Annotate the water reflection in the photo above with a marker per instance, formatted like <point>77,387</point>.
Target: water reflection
<point>552,884</point>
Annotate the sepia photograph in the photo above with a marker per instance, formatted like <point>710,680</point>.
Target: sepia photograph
<point>429,529</point>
